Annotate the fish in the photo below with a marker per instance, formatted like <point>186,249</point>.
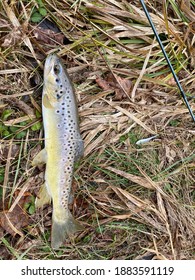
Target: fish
<point>145,140</point>
<point>63,148</point>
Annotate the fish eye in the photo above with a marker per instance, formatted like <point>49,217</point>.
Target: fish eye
<point>56,69</point>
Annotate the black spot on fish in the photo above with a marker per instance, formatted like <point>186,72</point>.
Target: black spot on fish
<point>56,69</point>
<point>57,80</point>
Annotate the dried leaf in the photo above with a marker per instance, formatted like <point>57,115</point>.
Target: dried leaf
<point>47,32</point>
<point>102,83</point>
<point>171,82</point>
<point>170,154</point>
<point>14,221</point>
<point>48,36</point>
<point>4,150</point>
<point>12,38</point>
<point>26,245</point>
<point>121,86</point>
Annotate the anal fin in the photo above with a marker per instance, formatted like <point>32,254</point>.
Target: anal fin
<point>40,158</point>
<point>43,197</point>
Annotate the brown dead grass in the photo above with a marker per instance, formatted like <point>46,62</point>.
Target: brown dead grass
<point>134,201</point>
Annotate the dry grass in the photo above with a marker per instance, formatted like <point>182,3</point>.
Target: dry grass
<point>134,201</point>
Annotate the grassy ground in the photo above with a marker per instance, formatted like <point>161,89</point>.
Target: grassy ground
<point>134,201</point>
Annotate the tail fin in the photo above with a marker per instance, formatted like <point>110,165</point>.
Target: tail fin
<point>63,229</point>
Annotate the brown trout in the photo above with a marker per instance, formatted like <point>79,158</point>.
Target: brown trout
<point>63,147</point>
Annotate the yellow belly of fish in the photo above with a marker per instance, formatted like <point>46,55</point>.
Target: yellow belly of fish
<point>53,141</point>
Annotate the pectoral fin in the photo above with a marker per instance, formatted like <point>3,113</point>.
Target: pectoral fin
<point>40,158</point>
<point>43,197</point>
<point>46,102</point>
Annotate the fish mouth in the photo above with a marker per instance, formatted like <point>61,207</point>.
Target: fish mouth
<point>50,62</point>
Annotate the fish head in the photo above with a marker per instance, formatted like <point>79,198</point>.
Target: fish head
<point>54,76</point>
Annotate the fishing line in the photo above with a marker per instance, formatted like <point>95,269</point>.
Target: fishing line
<point>168,61</point>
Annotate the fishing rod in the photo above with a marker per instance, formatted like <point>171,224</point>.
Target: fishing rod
<point>168,61</point>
